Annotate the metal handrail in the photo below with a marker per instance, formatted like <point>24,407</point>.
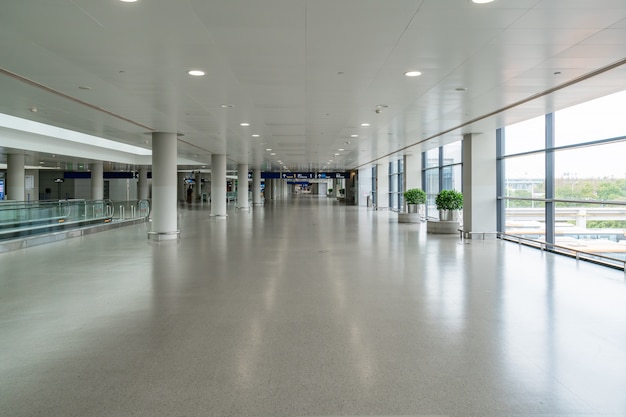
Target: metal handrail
<point>545,246</point>
<point>561,200</point>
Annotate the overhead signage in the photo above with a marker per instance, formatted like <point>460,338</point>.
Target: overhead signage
<point>303,175</point>
<point>1,189</point>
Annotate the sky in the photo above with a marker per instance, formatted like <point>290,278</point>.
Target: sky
<point>598,119</point>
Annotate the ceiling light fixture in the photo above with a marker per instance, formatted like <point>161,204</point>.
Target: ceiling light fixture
<point>413,73</point>
<point>481,1</point>
<point>354,136</point>
<point>196,73</point>
<point>128,1</point>
<point>256,136</point>
<point>227,106</point>
<point>244,124</point>
<point>365,125</point>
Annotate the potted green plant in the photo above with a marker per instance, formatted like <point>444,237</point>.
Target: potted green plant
<point>448,202</point>
<point>413,198</point>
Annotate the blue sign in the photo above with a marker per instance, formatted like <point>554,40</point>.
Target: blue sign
<point>1,189</point>
<point>303,175</point>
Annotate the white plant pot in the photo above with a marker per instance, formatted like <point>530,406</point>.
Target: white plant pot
<point>448,215</point>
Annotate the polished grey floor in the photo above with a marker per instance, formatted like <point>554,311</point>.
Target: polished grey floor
<point>307,308</point>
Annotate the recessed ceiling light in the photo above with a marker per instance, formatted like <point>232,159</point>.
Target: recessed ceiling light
<point>337,154</point>
<point>256,136</point>
<point>365,124</point>
<point>196,73</point>
<point>227,106</point>
<point>481,1</point>
<point>273,154</point>
<point>413,73</point>
<point>354,136</point>
<point>244,124</point>
<point>128,1</point>
<point>268,149</point>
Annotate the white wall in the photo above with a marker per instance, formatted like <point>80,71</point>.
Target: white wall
<point>32,193</point>
<point>82,188</point>
<point>365,185</point>
<point>122,189</point>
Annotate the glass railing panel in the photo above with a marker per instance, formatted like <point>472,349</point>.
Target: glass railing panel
<point>128,210</point>
<point>25,218</point>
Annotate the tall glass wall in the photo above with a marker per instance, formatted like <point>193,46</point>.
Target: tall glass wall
<point>442,170</point>
<point>374,185</point>
<point>565,179</point>
<point>396,180</point>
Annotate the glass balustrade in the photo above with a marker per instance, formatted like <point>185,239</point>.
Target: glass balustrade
<point>18,218</point>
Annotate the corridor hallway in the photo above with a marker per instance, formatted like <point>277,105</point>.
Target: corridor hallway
<point>307,307</point>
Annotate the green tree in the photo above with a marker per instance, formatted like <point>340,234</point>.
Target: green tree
<point>610,191</point>
<point>520,203</point>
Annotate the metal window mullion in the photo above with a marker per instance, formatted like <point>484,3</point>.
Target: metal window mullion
<point>440,168</point>
<point>549,178</point>
<point>500,179</point>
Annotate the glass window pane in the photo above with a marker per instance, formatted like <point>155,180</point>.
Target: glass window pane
<point>594,120</point>
<point>591,173</point>
<point>598,229</point>
<point>453,153</point>
<point>393,183</point>
<point>432,188</point>
<point>452,178</point>
<point>525,136</point>
<point>432,158</point>
<point>524,176</point>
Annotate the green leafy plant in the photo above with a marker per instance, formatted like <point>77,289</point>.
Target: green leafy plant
<point>449,200</point>
<point>415,196</point>
<point>330,190</point>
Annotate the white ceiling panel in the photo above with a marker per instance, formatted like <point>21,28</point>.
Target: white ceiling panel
<point>304,73</point>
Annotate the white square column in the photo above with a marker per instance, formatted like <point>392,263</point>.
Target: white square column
<point>256,187</point>
<point>97,180</point>
<point>242,186</point>
<point>218,185</point>
<point>382,187</point>
<point>479,182</point>
<point>16,177</point>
